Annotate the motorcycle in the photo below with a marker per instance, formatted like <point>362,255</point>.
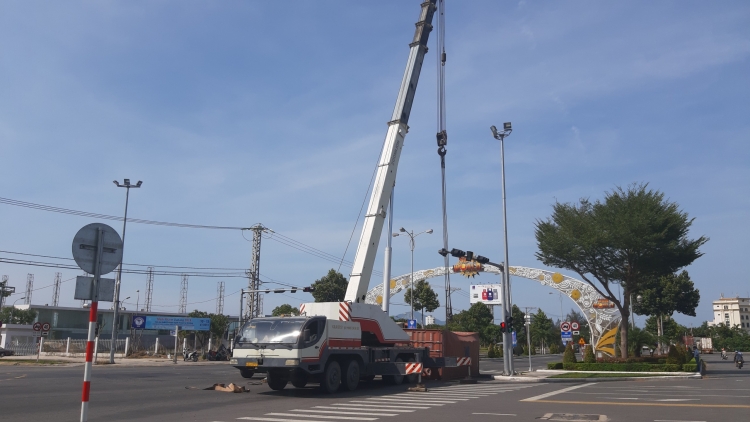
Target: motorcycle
<point>739,364</point>
<point>724,356</point>
<point>186,356</point>
<point>221,354</point>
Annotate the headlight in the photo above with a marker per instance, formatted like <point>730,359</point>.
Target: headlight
<point>233,361</point>
<point>292,362</point>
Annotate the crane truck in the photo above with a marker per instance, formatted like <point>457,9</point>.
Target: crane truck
<point>337,344</point>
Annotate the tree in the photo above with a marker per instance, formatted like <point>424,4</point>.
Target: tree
<point>637,338</point>
<point>285,309</point>
<point>631,236</point>
<point>12,315</point>
<point>330,288</point>
<point>672,331</point>
<point>518,321</point>
<point>583,323</point>
<point>424,297</point>
<point>570,355</point>
<point>201,336</point>
<point>541,328</point>
<point>477,318</point>
<point>219,325</point>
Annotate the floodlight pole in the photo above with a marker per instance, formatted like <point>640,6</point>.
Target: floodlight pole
<point>126,184</point>
<point>507,301</point>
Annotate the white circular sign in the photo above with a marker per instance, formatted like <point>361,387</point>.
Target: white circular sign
<point>45,326</point>
<point>565,326</point>
<point>37,326</point>
<point>574,325</point>
<point>84,248</point>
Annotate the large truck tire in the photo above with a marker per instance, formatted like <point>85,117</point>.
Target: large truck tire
<point>299,379</point>
<point>331,378</point>
<point>247,373</point>
<point>275,381</point>
<point>394,379</point>
<point>351,380</point>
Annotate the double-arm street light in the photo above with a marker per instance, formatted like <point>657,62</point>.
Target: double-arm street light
<point>411,244</point>
<point>506,303</point>
<point>126,184</point>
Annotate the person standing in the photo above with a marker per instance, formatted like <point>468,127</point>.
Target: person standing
<point>697,357</point>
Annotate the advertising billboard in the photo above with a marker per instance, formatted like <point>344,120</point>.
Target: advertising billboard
<point>489,294</point>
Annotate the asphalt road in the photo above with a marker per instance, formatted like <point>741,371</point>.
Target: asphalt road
<point>160,394</point>
<point>520,363</point>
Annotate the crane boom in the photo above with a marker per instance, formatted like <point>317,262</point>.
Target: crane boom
<point>388,164</point>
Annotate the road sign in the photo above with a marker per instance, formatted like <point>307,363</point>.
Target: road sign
<point>581,341</point>
<point>85,289</point>
<point>84,248</point>
<point>36,334</point>
<point>142,322</point>
<point>565,326</point>
<point>574,325</point>
<point>515,342</point>
<point>172,333</point>
<point>37,326</point>
<point>566,336</point>
<point>412,324</point>
<point>45,326</point>
<point>575,333</point>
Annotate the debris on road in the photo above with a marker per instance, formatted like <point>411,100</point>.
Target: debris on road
<point>231,388</point>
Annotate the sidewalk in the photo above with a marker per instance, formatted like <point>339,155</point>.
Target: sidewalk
<point>543,375</point>
<point>119,362</point>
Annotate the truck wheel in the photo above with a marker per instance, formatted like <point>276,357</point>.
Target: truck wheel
<point>394,379</point>
<point>331,378</point>
<point>275,381</point>
<point>351,381</point>
<point>247,373</point>
<point>299,379</point>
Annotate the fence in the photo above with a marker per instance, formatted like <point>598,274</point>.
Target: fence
<point>23,349</point>
<point>68,347</point>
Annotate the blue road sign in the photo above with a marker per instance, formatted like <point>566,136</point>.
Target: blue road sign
<point>566,336</point>
<point>515,342</point>
<point>412,324</point>
<point>143,322</point>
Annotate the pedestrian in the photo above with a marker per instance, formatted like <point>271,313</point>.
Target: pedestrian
<point>697,357</point>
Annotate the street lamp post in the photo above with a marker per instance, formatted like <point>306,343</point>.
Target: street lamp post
<point>126,184</point>
<point>411,244</point>
<point>137,300</point>
<point>562,317</point>
<point>506,303</point>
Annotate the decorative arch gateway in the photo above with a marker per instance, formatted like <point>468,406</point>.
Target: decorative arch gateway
<point>601,314</point>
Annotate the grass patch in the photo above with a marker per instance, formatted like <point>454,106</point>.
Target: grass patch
<point>30,362</point>
<point>600,375</point>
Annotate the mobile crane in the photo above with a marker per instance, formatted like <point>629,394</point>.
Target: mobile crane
<point>339,343</point>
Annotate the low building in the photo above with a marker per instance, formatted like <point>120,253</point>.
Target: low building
<point>732,311</point>
<point>429,320</point>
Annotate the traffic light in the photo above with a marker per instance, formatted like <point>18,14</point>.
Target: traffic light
<point>509,323</point>
<point>458,253</point>
<point>443,252</point>
<point>481,259</point>
<point>503,327</point>
<point>308,289</point>
<point>469,255</point>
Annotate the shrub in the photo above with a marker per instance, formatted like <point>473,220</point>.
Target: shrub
<point>555,365</point>
<point>491,351</point>
<point>689,367</point>
<point>589,356</point>
<point>570,355</point>
<point>674,357</point>
<point>554,348</point>
<point>627,367</point>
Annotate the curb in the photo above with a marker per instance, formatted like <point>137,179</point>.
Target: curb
<point>512,380</point>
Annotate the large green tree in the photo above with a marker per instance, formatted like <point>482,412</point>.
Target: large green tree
<point>423,297</point>
<point>330,288</point>
<point>542,330</point>
<point>285,309</point>
<point>477,318</point>
<point>628,238</point>
<point>12,315</point>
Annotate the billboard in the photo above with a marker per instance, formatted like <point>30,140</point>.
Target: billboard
<point>489,294</point>
<point>144,322</point>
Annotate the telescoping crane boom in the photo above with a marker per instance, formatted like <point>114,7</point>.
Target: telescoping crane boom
<point>339,343</point>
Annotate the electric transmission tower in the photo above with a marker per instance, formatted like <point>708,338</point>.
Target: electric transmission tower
<point>149,289</point>
<point>183,294</point>
<point>254,306</point>
<point>3,287</point>
<point>220,298</point>
<point>29,288</point>
<point>56,289</point>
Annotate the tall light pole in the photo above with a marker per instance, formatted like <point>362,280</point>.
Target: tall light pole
<point>507,301</point>
<point>137,300</point>
<point>411,244</point>
<point>126,184</point>
<point>562,317</point>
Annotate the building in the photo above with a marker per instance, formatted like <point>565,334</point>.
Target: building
<point>429,320</point>
<point>732,311</point>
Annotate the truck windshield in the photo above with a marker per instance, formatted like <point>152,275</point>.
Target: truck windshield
<point>272,330</point>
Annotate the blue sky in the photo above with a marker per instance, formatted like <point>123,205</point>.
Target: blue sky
<point>237,113</point>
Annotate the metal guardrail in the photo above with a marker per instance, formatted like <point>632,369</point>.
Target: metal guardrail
<point>23,349</point>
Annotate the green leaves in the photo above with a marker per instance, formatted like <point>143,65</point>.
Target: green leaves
<point>668,294</point>
<point>330,288</point>
<point>423,296</point>
<point>285,309</point>
<point>11,315</point>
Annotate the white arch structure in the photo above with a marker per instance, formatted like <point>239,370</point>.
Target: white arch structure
<point>602,317</point>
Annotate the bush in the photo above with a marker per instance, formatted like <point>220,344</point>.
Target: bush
<point>555,365</point>
<point>626,367</point>
<point>570,355</point>
<point>690,367</point>
<point>554,348</point>
<point>588,356</point>
<point>675,357</point>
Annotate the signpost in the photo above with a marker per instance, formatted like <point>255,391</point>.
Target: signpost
<point>97,249</point>
<point>412,324</point>
<point>565,333</point>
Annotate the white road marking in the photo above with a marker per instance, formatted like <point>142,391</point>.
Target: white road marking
<point>496,414</point>
<point>360,409</point>
<point>678,400</point>
<point>673,420</point>
<point>381,406</point>
<point>446,395</point>
<point>556,392</point>
<point>349,411</point>
<point>463,398</point>
<point>411,405</point>
<point>353,418</point>
<point>408,401</point>
<point>253,418</point>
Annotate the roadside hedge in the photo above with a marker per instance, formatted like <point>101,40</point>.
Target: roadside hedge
<point>555,365</point>
<point>627,367</point>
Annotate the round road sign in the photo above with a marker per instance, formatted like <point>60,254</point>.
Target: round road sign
<point>565,326</point>
<point>574,325</point>
<point>45,326</point>
<point>37,326</point>
<point>84,248</point>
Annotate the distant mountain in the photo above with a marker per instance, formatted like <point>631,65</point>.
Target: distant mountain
<point>417,316</point>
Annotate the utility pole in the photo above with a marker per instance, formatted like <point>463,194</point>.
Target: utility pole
<point>220,298</point>
<point>149,289</point>
<point>3,286</point>
<point>254,307</point>
<point>56,289</point>
<point>29,288</point>
<point>183,294</point>
<point>527,323</point>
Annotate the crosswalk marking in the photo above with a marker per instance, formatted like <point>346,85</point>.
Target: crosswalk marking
<point>388,408</point>
<point>353,418</point>
<point>349,412</point>
<point>356,406</point>
<point>407,401</point>
<point>254,418</point>
<point>359,409</point>
<point>429,397</point>
<point>450,395</point>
